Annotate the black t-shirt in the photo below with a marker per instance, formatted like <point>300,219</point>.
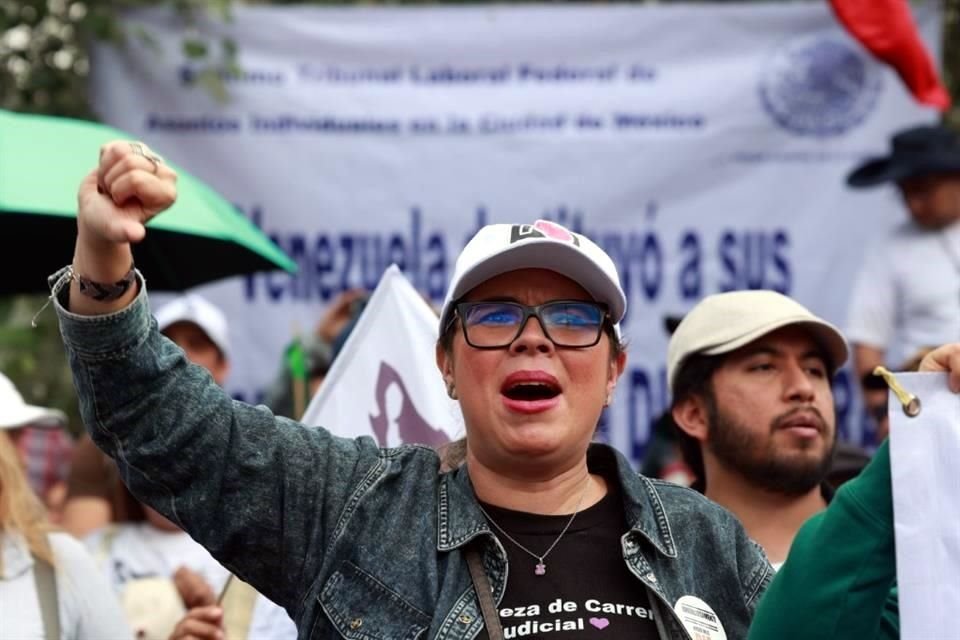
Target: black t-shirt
<point>587,590</point>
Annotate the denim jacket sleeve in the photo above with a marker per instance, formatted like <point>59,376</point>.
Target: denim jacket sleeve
<point>704,551</point>
<point>263,494</point>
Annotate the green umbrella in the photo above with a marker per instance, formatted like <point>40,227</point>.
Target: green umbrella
<point>43,159</point>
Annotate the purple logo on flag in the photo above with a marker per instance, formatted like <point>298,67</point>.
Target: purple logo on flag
<point>396,412</point>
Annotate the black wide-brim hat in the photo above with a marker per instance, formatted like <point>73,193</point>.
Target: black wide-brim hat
<point>915,152</point>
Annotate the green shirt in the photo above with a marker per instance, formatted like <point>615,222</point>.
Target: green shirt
<point>838,580</point>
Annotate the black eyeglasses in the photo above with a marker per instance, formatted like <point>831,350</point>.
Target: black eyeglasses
<point>566,323</point>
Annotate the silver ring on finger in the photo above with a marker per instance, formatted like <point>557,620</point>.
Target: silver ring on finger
<point>155,160</point>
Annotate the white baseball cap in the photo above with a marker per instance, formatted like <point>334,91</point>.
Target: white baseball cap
<point>196,310</point>
<point>724,322</point>
<point>15,413</point>
<point>499,248</point>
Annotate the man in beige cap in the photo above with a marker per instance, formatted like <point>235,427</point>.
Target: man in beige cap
<point>750,376</point>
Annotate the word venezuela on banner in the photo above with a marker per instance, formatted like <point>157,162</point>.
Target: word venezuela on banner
<point>703,146</point>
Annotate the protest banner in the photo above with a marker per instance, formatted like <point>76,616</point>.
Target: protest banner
<point>703,146</point>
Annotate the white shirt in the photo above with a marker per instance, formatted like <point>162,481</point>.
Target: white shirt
<point>131,551</point>
<point>907,294</point>
<point>139,550</point>
<point>88,611</point>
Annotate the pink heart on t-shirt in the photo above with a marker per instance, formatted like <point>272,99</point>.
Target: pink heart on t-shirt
<point>600,623</point>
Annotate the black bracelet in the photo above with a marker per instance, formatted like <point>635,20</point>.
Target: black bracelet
<point>106,291</point>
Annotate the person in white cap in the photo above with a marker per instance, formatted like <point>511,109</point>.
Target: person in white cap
<point>15,414</point>
<point>49,585</point>
<point>750,374</point>
<point>201,330</point>
<point>39,436</point>
<point>540,531</point>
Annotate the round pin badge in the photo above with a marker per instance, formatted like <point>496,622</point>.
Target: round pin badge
<point>699,619</point>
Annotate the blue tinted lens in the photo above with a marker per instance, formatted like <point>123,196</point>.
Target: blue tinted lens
<point>572,315</point>
<point>493,314</point>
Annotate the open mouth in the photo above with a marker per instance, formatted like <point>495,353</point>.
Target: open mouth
<point>530,391</point>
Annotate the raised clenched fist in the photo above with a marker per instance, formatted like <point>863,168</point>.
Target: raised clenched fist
<point>130,185</point>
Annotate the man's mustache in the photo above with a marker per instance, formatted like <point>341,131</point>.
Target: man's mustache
<point>808,412</point>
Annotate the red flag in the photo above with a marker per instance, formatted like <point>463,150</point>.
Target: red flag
<point>886,28</point>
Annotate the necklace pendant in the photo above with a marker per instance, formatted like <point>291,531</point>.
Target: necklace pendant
<point>541,569</point>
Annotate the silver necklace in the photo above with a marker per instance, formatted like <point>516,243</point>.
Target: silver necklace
<point>540,568</point>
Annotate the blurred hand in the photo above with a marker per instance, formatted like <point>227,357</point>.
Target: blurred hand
<point>200,623</point>
<point>193,588</point>
<point>945,358</point>
<point>129,187</point>
<point>338,314</point>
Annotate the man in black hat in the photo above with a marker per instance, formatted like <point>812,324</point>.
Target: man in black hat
<point>907,295</point>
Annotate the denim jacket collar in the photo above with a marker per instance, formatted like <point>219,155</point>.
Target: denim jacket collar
<point>460,519</point>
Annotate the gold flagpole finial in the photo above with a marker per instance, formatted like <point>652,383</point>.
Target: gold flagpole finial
<point>909,402</point>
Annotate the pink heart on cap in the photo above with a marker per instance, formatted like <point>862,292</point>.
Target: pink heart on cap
<point>554,230</point>
<point>600,623</point>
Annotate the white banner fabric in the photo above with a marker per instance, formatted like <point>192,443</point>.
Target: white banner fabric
<point>703,146</point>
<point>384,381</point>
<point>923,463</point>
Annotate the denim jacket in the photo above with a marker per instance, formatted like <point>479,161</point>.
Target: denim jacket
<point>353,540</point>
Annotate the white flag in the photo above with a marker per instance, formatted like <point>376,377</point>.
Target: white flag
<point>384,382</point>
<point>924,457</point>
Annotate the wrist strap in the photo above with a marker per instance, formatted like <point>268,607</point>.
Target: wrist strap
<point>106,291</point>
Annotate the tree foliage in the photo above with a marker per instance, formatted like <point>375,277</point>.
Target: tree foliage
<point>44,64</point>
<point>44,45</point>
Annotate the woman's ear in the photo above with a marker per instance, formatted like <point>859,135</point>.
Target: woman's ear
<point>617,365</point>
<point>444,364</point>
